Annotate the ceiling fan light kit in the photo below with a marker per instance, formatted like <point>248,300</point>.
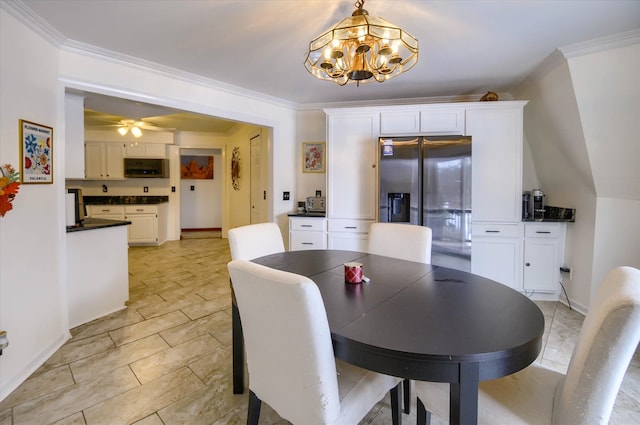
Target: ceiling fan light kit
<point>360,48</point>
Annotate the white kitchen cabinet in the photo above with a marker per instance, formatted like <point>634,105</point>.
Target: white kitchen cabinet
<point>74,136</point>
<point>145,150</point>
<point>496,143</point>
<point>107,212</point>
<point>348,234</point>
<point>351,160</point>
<point>441,119</point>
<point>543,255</point>
<point>394,123</point>
<point>496,252</point>
<point>104,161</point>
<point>148,222</point>
<point>307,233</point>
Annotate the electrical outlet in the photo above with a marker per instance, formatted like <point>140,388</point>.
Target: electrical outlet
<point>173,188</point>
<point>104,188</point>
<point>565,269</point>
<point>146,189</point>
<point>285,196</point>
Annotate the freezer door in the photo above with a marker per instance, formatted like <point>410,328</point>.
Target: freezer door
<point>399,180</point>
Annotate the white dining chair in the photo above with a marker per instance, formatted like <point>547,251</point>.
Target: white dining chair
<point>246,243</point>
<point>255,240</point>
<point>290,354</point>
<point>406,242</point>
<point>399,240</point>
<point>585,395</point>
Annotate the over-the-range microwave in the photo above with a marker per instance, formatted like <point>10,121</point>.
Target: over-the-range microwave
<point>146,167</point>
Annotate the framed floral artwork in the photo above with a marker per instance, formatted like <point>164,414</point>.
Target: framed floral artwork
<point>36,153</point>
<point>313,157</point>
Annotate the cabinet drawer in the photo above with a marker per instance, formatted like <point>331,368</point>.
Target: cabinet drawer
<point>348,225</point>
<point>105,209</point>
<point>542,230</point>
<point>308,224</point>
<point>307,240</point>
<point>496,229</point>
<point>141,209</point>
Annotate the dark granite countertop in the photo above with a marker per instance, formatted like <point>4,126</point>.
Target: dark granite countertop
<point>308,214</point>
<point>550,220</point>
<point>124,200</point>
<point>96,223</point>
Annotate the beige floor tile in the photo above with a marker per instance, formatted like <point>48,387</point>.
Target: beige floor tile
<point>103,363</point>
<point>150,420</point>
<point>39,385</point>
<point>215,367</point>
<point>77,349</point>
<point>75,419</point>
<point>63,403</point>
<point>148,327</point>
<point>166,361</point>
<point>170,306</point>
<point>217,324</point>
<point>205,406</point>
<point>205,308</point>
<point>143,401</point>
<point>5,417</point>
<point>111,322</point>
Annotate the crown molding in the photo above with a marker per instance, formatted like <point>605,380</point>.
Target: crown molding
<point>601,44</point>
<point>22,13</point>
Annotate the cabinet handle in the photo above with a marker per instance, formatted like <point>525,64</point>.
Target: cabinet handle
<point>105,210</point>
<point>527,264</point>
<point>139,209</point>
<point>307,243</point>
<point>350,227</point>
<point>306,225</point>
<point>492,231</point>
<point>540,231</point>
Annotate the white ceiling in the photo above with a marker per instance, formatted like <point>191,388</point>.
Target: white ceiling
<point>466,47</point>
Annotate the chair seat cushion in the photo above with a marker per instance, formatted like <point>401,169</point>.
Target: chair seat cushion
<point>523,398</point>
<point>359,389</point>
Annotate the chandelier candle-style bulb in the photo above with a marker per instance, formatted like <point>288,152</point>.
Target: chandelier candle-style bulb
<point>361,47</point>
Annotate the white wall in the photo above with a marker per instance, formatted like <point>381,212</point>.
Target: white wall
<point>312,127</point>
<point>34,76</point>
<point>579,127</point>
<point>608,97</point>
<point>33,308</point>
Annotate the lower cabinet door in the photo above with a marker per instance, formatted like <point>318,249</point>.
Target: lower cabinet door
<point>499,259</point>
<point>143,228</point>
<point>348,241</point>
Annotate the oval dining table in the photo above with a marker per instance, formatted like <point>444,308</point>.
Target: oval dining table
<point>422,322</point>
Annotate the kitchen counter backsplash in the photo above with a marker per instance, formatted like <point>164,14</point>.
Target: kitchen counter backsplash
<point>122,200</point>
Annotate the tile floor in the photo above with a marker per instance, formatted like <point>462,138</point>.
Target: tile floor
<point>166,359</point>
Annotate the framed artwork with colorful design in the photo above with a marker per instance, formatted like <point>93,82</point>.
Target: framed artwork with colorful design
<point>313,157</point>
<point>36,153</point>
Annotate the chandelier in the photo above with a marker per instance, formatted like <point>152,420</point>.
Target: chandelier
<point>361,47</point>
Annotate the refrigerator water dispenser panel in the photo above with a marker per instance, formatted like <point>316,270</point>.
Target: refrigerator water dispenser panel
<point>399,206</point>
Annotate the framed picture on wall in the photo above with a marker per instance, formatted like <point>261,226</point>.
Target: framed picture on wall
<point>313,157</point>
<point>196,167</point>
<point>36,153</point>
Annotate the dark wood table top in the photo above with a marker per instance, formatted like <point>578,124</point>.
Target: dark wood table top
<point>420,321</point>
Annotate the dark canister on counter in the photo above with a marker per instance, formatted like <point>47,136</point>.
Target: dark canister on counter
<point>526,198</point>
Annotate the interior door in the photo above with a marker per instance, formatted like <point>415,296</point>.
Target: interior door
<point>257,181</point>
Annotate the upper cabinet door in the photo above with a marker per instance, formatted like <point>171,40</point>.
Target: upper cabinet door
<point>438,119</point>
<point>351,161</point>
<point>398,123</point>
<point>496,140</point>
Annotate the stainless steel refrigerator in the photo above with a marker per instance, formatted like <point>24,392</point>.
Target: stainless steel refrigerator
<point>426,181</point>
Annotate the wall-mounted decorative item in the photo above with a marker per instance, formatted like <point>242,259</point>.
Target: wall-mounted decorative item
<point>313,157</point>
<point>235,168</point>
<point>196,167</point>
<point>9,185</point>
<point>36,153</point>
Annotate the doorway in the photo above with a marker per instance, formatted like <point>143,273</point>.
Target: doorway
<point>200,193</point>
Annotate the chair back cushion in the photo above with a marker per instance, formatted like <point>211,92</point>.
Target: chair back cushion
<point>606,344</point>
<point>288,342</point>
<point>255,240</point>
<point>403,241</point>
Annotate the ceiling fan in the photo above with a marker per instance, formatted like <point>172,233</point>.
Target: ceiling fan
<point>124,125</point>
